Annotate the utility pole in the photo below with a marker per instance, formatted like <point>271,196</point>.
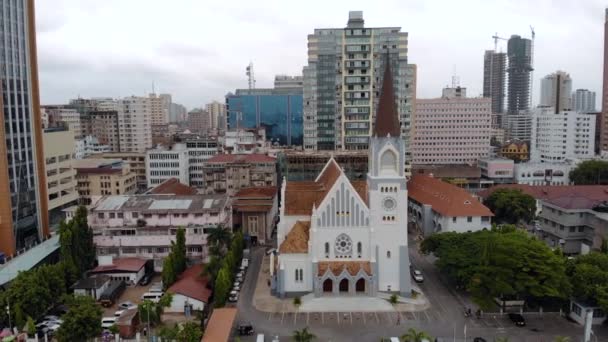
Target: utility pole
<point>8,311</point>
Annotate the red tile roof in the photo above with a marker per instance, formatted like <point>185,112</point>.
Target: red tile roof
<point>121,265</point>
<point>191,284</point>
<point>257,192</point>
<point>296,240</point>
<point>565,196</point>
<point>301,196</point>
<point>172,186</point>
<point>220,325</point>
<point>445,198</point>
<point>387,117</point>
<point>241,158</point>
<point>336,267</point>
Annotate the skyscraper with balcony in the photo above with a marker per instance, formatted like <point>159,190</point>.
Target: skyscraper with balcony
<point>494,75</point>
<point>23,193</point>
<point>342,83</point>
<point>556,91</point>
<point>519,52</point>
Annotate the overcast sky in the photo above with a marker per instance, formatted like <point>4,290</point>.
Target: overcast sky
<point>197,50</point>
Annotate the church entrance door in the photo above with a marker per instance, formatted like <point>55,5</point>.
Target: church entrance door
<point>328,285</point>
<point>344,285</point>
<point>360,285</point>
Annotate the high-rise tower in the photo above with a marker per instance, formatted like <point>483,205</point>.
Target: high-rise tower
<point>23,194</point>
<point>604,117</point>
<point>494,74</point>
<point>519,52</point>
<point>556,91</point>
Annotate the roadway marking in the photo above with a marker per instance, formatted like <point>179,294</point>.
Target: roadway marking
<point>363,315</point>
<point>498,323</point>
<point>322,319</point>
<point>338,317</point>
<point>427,315</point>
<point>295,317</point>
<point>307,317</point>
<point>282,316</point>
<point>377,319</point>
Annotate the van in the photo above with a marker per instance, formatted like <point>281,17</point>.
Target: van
<point>152,296</point>
<point>260,338</point>
<point>395,339</point>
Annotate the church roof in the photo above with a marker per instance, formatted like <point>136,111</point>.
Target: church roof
<point>300,197</point>
<point>387,117</point>
<point>352,267</point>
<point>296,240</point>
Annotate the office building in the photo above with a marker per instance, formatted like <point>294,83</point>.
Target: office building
<point>88,146</point>
<point>583,101</point>
<point>166,163</point>
<point>556,91</point>
<point>519,53</point>
<point>604,117</point>
<point>102,177</point>
<point>285,81</point>
<point>518,126</point>
<point>23,205</point>
<point>278,111</point>
<point>342,82</point>
<point>494,80</point>
<point>452,129</point>
<point>217,111</point>
<point>136,162</point>
<point>56,115</point>
<point>159,107</point>
<point>200,149</point>
<point>557,137</point>
<point>228,173</point>
<point>105,127</point>
<point>177,113</point>
<point>199,121</point>
<point>60,174</point>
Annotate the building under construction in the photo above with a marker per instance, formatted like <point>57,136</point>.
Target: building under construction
<point>494,67</point>
<point>302,166</point>
<point>519,51</point>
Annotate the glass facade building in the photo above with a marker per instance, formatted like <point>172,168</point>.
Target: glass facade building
<point>279,111</point>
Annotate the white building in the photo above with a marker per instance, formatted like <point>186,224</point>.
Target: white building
<point>163,164</point>
<point>199,151</point>
<point>160,106</point>
<point>337,236</point>
<point>245,141</point>
<point>555,91</point>
<point>538,173</point>
<point>557,137</point>
<point>89,146</point>
<point>135,124</point>
<point>583,101</point>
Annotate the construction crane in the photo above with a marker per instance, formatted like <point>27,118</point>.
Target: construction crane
<point>496,38</point>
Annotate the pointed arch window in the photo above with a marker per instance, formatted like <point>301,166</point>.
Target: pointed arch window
<point>359,249</point>
<point>388,161</point>
<point>327,249</point>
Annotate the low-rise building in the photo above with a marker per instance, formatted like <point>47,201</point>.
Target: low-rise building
<point>515,150</point>
<point>245,141</point>
<point>60,173</point>
<point>167,163</point>
<point>128,269</point>
<point>228,173</point>
<point>88,146</point>
<point>103,177</point>
<point>200,149</point>
<point>497,170</point>
<point>144,226</point>
<point>92,287</point>
<point>190,292</point>
<point>538,173</point>
<point>136,161</point>
<point>255,210</point>
<point>436,206</point>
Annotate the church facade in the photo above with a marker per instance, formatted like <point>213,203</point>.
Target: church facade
<point>337,236</point>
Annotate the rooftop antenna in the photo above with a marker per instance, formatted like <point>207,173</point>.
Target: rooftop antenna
<point>532,64</point>
<point>455,78</point>
<point>251,76</point>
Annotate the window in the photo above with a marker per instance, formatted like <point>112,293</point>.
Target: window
<point>100,215</point>
<point>299,275</point>
<point>327,249</point>
<point>572,229</point>
<point>253,225</point>
<point>581,229</point>
<point>120,215</point>
<point>454,219</point>
<point>576,309</point>
<point>388,161</point>
<point>388,254</point>
<point>135,215</point>
<point>469,219</point>
<point>112,215</point>
<point>359,249</point>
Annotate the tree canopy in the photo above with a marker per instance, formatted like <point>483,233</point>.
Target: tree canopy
<point>76,239</point>
<point>175,263</point>
<point>82,321</point>
<point>511,206</point>
<point>499,263</point>
<point>590,274</point>
<point>590,172</point>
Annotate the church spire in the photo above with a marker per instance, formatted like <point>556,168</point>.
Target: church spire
<point>387,117</point>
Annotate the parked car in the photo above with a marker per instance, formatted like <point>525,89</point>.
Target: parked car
<point>234,296</point>
<point>127,305</point>
<point>236,286</point>
<point>146,279</point>
<point>112,293</point>
<point>245,262</point>
<point>517,319</point>
<point>50,318</point>
<point>107,322</point>
<point>417,275</point>
<point>119,313</point>
<point>245,329</point>
<point>479,339</point>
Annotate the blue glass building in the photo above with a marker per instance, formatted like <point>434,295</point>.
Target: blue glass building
<point>279,111</point>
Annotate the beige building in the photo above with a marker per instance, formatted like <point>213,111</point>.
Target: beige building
<point>217,111</point>
<point>60,174</point>
<point>136,161</point>
<point>102,177</point>
<point>135,123</point>
<point>159,108</point>
<point>69,116</point>
<point>103,125</point>
<point>228,173</point>
<point>199,121</point>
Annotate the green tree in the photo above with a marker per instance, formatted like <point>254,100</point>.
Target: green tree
<point>178,249</point>
<point>414,335</point>
<point>303,335</point>
<point>297,301</point>
<point>590,274</point>
<point>590,172</point>
<point>219,237</point>
<point>76,240</point>
<point>501,339</point>
<point>189,332</point>
<point>511,206</point>
<point>168,333</point>
<point>604,246</point>
<point>30,326</point>
<point>222,287</point>
<point>148,310</point>
<point>393,299</point>
<point>212,268</point>
<point>169,273</point>
<point>562,339</point>
<point>82,321</point>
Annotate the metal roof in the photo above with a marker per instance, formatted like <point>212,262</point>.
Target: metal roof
<point>28,260</point>
<point>171,204</point>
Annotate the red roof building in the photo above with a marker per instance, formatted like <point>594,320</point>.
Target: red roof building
<point>255,210</point>
<point>172,186</point>
<point>131,270</point>
<point>190,289</point>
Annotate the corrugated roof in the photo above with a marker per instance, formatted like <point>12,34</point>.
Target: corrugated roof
<point>122,264</point>
<point>563,196</point>
<point>28,260</point>
<point>191,284</point>
<point>296,240</point>
<point>166,204</point>
<point>112,202</point>
<point>220,325</point>
<point>257,192</point>
<point>161,203</point>
<point>445,198</point>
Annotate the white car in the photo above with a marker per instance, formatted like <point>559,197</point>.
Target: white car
<point>234,296</point>
<point>126,305</point>
<point>119,313</point>
<point>417,275</point>
<point>236,286</point>
<point>107,322</point>
<point>239,275</point>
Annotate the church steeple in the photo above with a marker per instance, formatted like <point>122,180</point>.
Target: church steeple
<point>387,117</point>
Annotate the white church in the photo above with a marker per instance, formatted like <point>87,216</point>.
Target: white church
<point>341,237</point>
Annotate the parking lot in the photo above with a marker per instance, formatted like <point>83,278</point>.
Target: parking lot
<point>132,294</point>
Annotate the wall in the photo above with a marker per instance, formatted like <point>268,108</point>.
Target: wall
<point>179,300</point>
<point>292,262</point>
<point>61,176</point>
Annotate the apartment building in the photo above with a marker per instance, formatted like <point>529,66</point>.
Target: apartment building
<point>200,149</point>
<point>104,125</point>
<point>160,106</point>
<point>137,164</point>
<point>228,173</point>
<point>556,91</point>
<point>101,177</point>
<point>63,114</point>
<point>199,121</point>
<point>583,101</point>
<point>452,129</point>
<point>217,111</point>
<point>165,163</point>
<point>89,146</point>
<point>144,226</point>
<point>60,174</point>
<point>342,83</point>
<point>135,124</point>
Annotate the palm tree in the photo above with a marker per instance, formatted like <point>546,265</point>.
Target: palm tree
<point>562,339</point>
<point>219,237</point>
<point>414,335</point>
<point>303,335</point>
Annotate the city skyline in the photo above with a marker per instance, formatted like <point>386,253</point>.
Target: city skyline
<point>172,47</point>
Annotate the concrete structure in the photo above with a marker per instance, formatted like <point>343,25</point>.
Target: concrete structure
<point>578,311</point>
<point>228,173</point>
<point>88,146</point>
<point>245,141</point>
<point>104,125</point>
<point>128,269</point>
<point>556,91</point>
<point>539,173</point>
<point>135,124</point>
<point>337,236</point>
<point>161,135</point>
<point>102,177</point>
<point>557,137</point>
<point>63,114</point>
<point>159,108</point>
<point>604,108</point>
<point>255,210</point>
<point>285,81</point>
<point>199,121</point>
<point>518,126</point>
<point>217,111</point>
<point>297,165</point>
<point>342,83</point>
<point>452,129</point>
<point>143,226</point>
<point>136,162</point>
<point>200,149</point>
<point>166,163</point>
<point>45,252</point>
<point>436,206</point>
<point>23,203</point>
<point>60,173</point>
<point>494,80</point>
<point>519,52</point>
<point>498,170</point>
<point>190,291</point>
<point>92,287</point>
<point>583,101</point>
<point>177,113</point>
